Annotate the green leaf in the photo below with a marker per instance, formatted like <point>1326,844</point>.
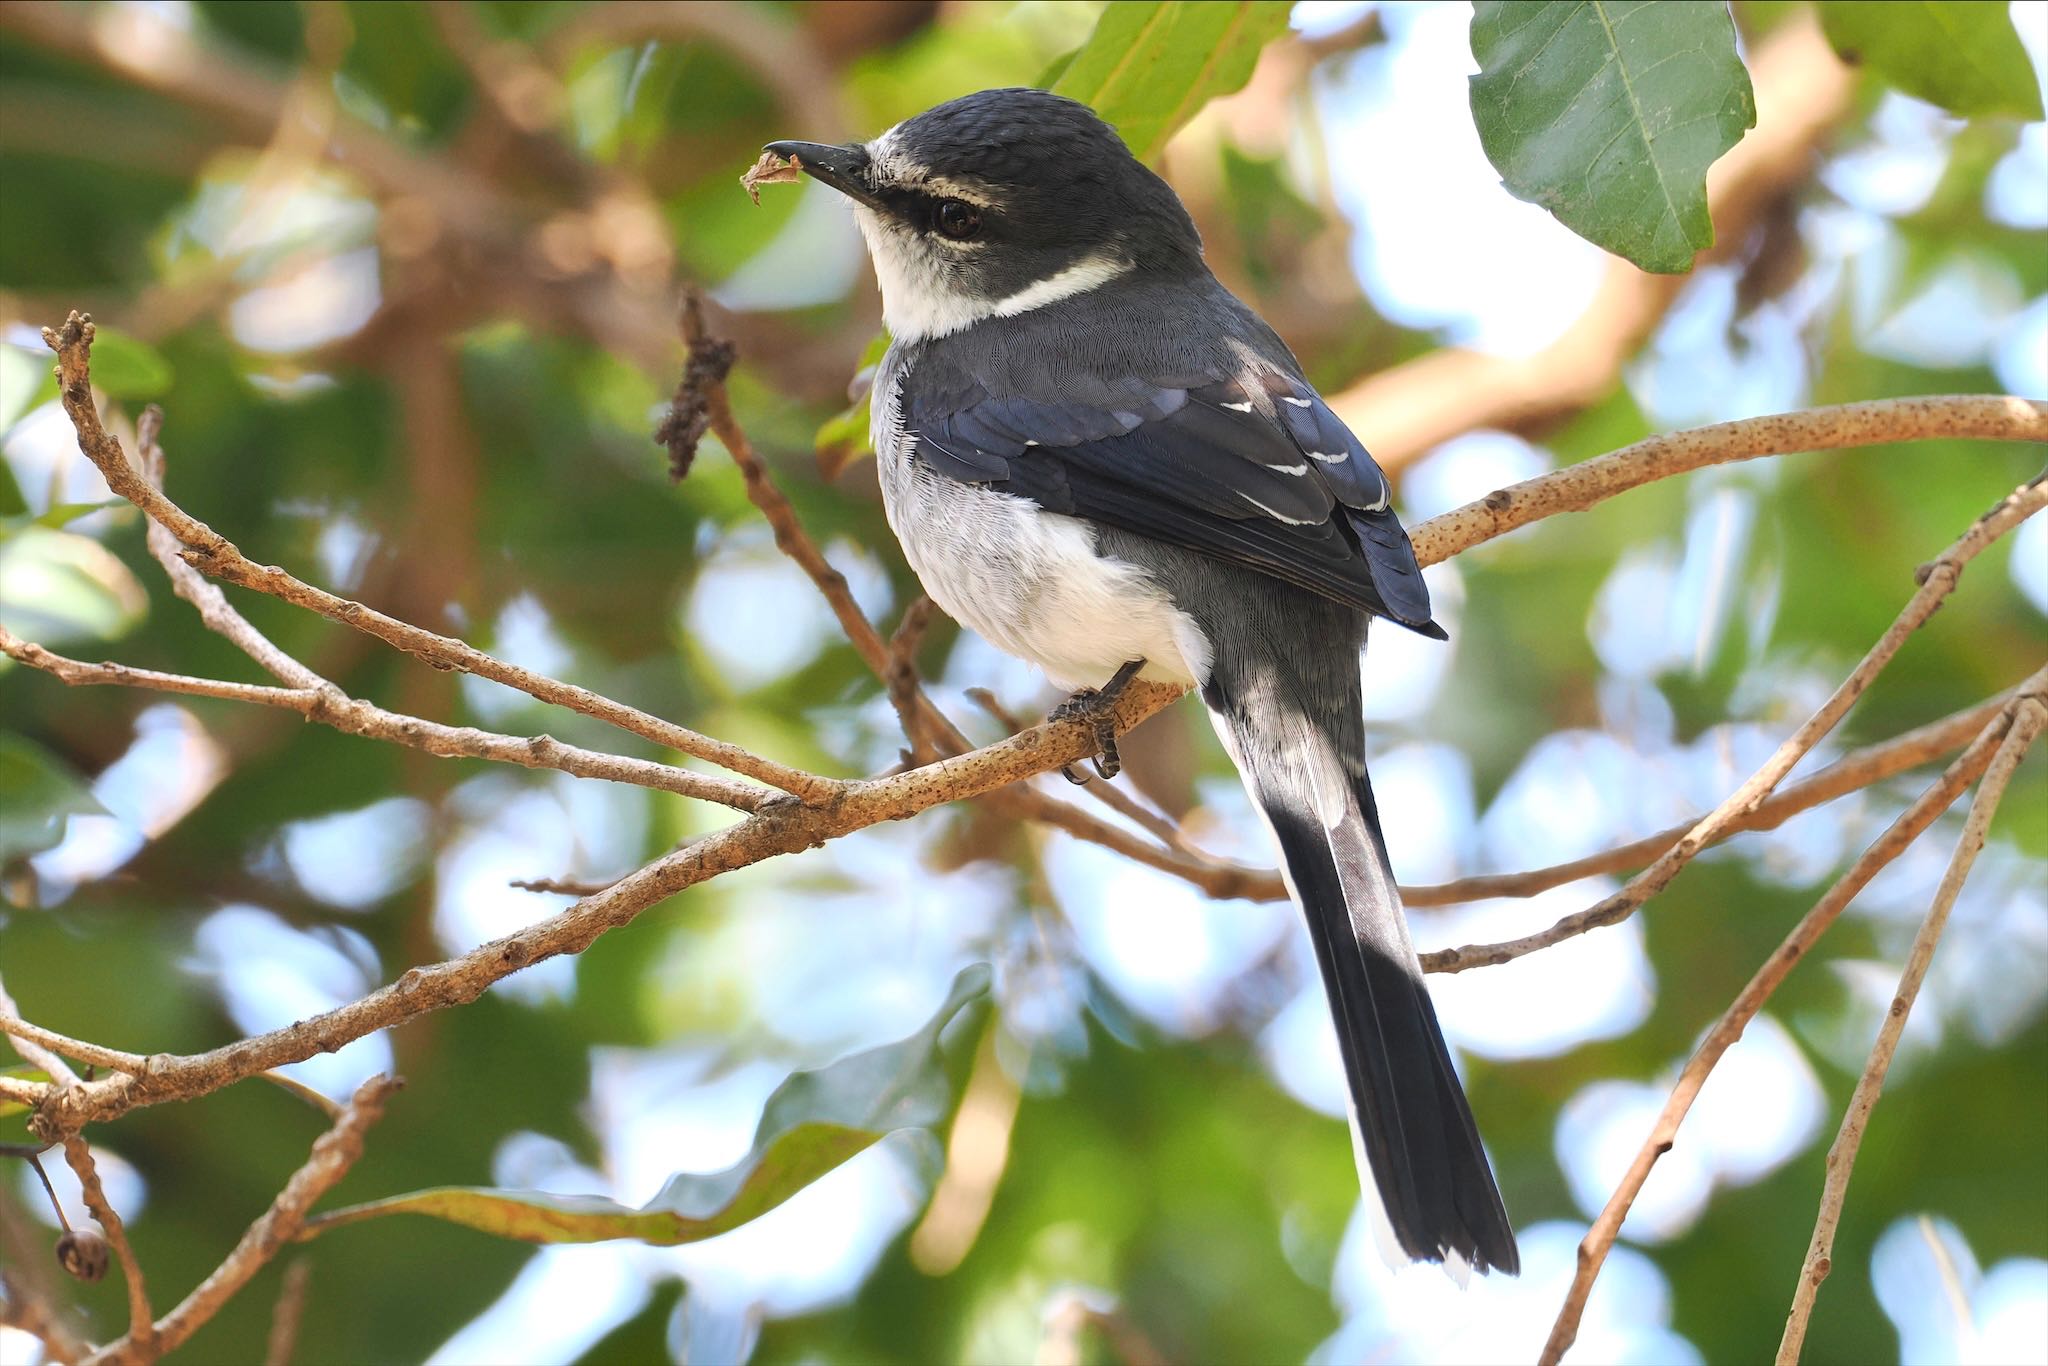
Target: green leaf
<point>1608,115</point>
<point>125,367</point>
<point>37,792</point>
<point>1148,69</point>
<point>1967,58</point>
<point>814,1122</point>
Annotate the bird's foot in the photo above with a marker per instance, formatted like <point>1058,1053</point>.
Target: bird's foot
<point>1097,706</point>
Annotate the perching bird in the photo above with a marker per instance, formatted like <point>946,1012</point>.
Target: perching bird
<point>1102,461</point>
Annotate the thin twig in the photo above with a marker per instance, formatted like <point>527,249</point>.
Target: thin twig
<point>2029,718</point>
<point>1937,580</point>
<point>78,1155</point>
<point>782,829</point>
<point>286,1316</point>
<point>215,555</point>
<point>1852,772</point>
<point>1909,826</point>
<point>37,1045</point>
<point>334,1152</point>
<point>900,675</point>
<point>330,706</point>
<point>1879,422</point>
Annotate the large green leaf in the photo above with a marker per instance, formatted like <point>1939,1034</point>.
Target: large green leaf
<point>37,791</point>
<point>814,1122</point>
<point>1148,69</point>
<point>1966,58</point>
<point>1608,115</point>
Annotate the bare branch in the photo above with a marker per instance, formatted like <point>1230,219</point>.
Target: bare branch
<point>781,828</point>
<point>330,706</point>
<point>78,1154</point>
<point>333,1154</point>
<point>1853,771</point>
<point>43,1046</point>
<point>215,555</point>
<point>1879,422</point>
<point>285,1317</point>
<point>1909,826</point>
<point>38,1046</point>
<point>2029,716</point>
<point>1937,580</point>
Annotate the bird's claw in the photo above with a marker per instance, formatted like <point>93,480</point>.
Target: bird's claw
<point>1097,706</point>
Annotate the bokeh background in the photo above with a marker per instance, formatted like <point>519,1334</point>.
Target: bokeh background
<point>403,276</point>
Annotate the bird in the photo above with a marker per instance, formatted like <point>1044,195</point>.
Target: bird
<point>1097,457</point>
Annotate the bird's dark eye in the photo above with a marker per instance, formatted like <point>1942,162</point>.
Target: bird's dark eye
<point>957,219</point>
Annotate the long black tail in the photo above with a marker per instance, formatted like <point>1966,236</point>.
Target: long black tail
<point>1293,725</point>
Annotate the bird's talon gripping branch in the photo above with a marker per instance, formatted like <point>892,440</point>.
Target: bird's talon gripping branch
<point>1097,706</point>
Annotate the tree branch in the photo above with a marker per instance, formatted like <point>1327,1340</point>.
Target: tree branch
<point>1937,580</point>
<point>1878,422</point>
<point>78,1155</point>
<point>330,706</point>
<point>1853,771</point>
<point>215,555</point>
<point>2028,718</point>
<point>1909,826</point>
<point>333,1154</point>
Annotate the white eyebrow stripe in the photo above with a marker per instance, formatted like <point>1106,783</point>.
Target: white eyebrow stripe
<point>947,188</point>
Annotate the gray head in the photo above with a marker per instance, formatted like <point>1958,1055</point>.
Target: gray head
<point>1000,202</point>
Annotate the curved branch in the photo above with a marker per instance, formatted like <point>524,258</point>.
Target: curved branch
<point>334,1152</point>
<point>330,706</point>
<point>1937,580</point>
<point>2029,717</point>
<point>1909,826</point>
<point>214,554</point>
<point>1879,422</point>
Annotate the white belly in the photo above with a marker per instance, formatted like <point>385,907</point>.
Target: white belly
<point>1030,582</point>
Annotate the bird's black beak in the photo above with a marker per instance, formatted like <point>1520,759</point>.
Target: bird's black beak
<point>843,168</point>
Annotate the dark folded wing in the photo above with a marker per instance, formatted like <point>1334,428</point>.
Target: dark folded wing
<point>1269,479</point>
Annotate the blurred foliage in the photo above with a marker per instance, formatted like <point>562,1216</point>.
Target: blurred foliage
<point>403,275</point>
<point>1965,58</point>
